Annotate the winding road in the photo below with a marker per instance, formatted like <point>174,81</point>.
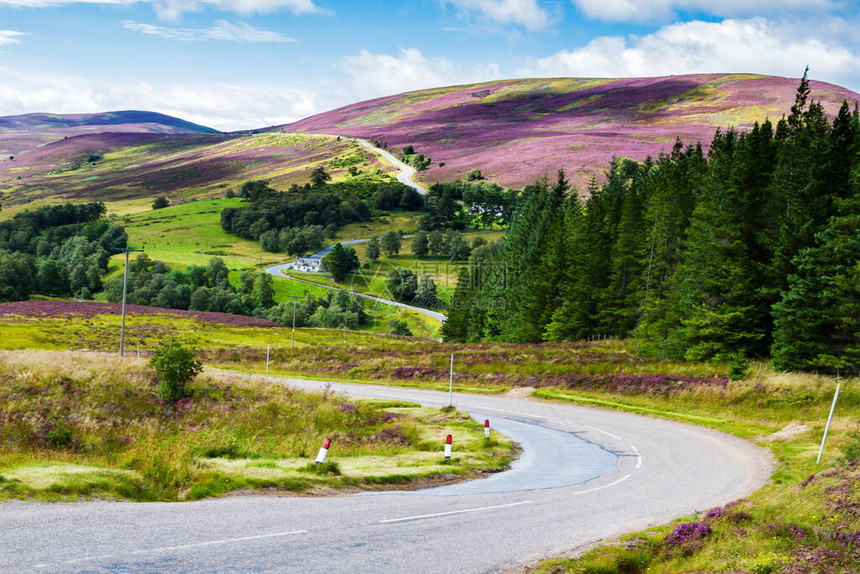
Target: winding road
<point>406,175</point>
<point>584,475</point>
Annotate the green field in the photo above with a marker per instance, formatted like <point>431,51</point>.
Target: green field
<point>190,234</point>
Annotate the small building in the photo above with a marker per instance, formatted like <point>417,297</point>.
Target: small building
<point>308,265</point>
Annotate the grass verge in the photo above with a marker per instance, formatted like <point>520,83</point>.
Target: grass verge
<point>88,425</point>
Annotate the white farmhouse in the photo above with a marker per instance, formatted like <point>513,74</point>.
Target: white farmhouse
<point>308,265</point>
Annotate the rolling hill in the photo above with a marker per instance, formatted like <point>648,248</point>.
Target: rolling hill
<point>514,131</point>
<point>19,134</point>
<point>517,130</point>
<point>127,170</point>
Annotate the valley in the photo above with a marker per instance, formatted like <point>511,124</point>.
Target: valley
<point>658,272</point>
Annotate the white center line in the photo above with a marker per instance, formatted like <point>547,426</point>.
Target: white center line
<point>603,431</point>
<point>170,548</point>
<point>419,517</point>
<point>619,481</point>
<point>482,409</point>
<point>638,457</point>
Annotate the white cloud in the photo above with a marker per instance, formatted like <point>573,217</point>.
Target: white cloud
<point>383,74</point>
<point>223,30</point>
<point>10,37</point>
<point>221,106</point>
<point>664,10</point>
<point>173,9</point>
<point>526,13</point>
<point>755,46</point>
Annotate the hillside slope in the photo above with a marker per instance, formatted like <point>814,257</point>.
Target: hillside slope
<point>19,134</point>
<point>515,131</point>
<point>133,168</point>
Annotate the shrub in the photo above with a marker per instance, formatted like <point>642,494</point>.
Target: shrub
<point>738,367</point>
<point>160,202</point>
<point>398,327</point>
<point>175,366</point>
<point>474,175</point>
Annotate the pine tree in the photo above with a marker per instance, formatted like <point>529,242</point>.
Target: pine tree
<point>678,179</point>
<point>818,318</point>
<point>617,311</point>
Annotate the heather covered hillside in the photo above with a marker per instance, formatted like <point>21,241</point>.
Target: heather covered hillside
<point>134,168</point>
<point>517,130</point>
<point>19,134</point>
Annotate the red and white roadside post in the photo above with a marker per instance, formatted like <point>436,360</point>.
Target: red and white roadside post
<point>487,429</point>
<point>323,452</point>
<point>448,442</point>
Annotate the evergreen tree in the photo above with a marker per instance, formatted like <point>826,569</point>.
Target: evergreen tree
<point>818,318</point>
<point>677,183</point>
<point>528,299</point>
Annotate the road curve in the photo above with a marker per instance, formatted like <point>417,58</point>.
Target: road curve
<point>406,175</point>
<point>278,271</point>
<point>662,470</point>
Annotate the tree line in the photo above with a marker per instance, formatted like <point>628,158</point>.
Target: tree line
<point>208,288</point>
<point>750,250</point>
<point>60,250</point>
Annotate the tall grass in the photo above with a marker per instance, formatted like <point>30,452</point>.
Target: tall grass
<point>99,415</point>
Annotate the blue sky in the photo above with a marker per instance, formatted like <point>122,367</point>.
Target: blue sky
<point>239,64</point>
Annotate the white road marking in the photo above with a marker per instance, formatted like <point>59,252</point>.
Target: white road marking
<point>638,457</point>
<point>603,431</point>
<point>419,517</point>
<point>180,547</point>
<point>519,414</point>
<point>619,481</point>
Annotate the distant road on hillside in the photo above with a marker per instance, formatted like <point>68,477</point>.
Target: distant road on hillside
<point>407,172</point>
<point>278,271</point>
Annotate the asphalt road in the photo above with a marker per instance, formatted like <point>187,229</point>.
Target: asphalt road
<point>278,271</point>
<point>406,175</point>
<point>601,474</point>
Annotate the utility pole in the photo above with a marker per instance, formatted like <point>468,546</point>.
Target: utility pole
<point>295,299</point>
<point>125,250</point>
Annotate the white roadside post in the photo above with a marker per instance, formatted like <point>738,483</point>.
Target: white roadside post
<point>323,452</point>
<point>448,442</point>
<point>827,427</point>
<point>487,429</point>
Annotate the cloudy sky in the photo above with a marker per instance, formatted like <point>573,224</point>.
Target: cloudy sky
<point>238,64</point>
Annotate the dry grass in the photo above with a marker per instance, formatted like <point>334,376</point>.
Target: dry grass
<point>88,424</point>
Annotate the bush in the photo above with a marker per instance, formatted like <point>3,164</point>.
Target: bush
<point>175,366</point>
<point>738,367</point>
<point>398,327</point>
<point>474,175</point>
<point>160,202</point>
